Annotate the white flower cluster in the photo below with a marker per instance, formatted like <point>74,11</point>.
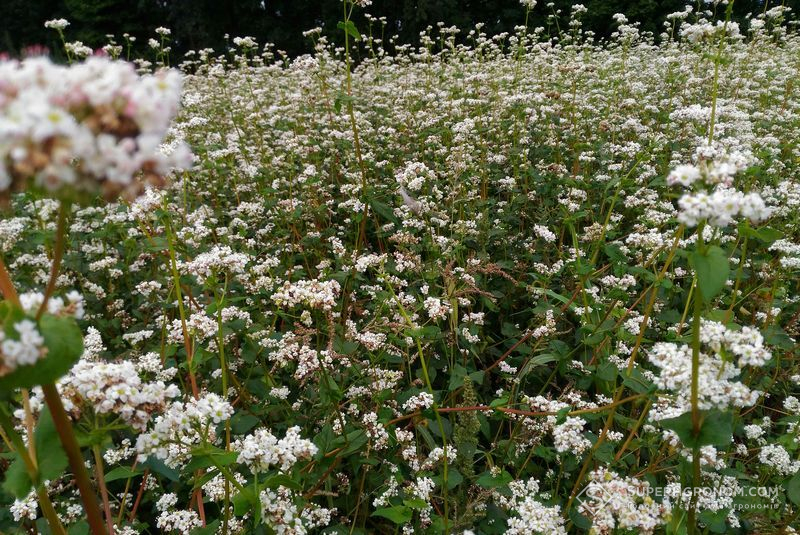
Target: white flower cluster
<point>530,515</point>
<point>261,450</point>
<point>312,293</point>
<point>56,24</point>
<point>25,350</point>
<point>116,388</point>
<point>423,400</point>
<point>776,456</point>
<point>26,508</point>
<point>747,343</point>
<point>791,253</point>
<point>279,512</point>
<point>220,259</point>
<point>182,521</point>
<point>717,387</point>
<point>414,175</point>
<point>569,437</point>
<point>612,502</point>
<point>215,487</point>
<point>722,205</point>
<point>71,304</point>
<point>703,30</point>
<point>436,309</point>
<point>88,124</point>
<point>182,426</point>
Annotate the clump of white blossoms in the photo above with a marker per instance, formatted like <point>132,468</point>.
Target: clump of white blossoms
<point>612,502</point>
<point>25,349</point>
<point>776,457</point>
<point>72,304</point>
<point>262,450</point>
<point>25,345</point>
<point>747,344</point>
<point>279,512</point>
<point>717,388</point>
<point>530,516</point>
<point>423,400</point>
<point>220,259</point>
<point>181,427</point>
<point>569,436</point>
<point>115,388</point>
<point>96,125</point>
<point>721,205</point>
<point>312,293</point>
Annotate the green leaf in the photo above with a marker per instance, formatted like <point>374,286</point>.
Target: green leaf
<point>488,481</point>
<point>51,456</point>
<point>579,520</point>
<point>383,209</point>
<point>712,270</point>
<point>399,514</point>
<point>242,423</point>
<point>244,502</point>
<point>17,481</point>
<point>765,234</point>
<point>538,360</point>
<point>282,480</point>
<point>206,457</point>
<point>416,503</point>
<point>350,29</point>
<point>716,428</point>
<point>64,343</point>
<point>499,402</point>
<point>716,521</point>
<point>157,465</point>
<point>121,472</point>
<point>79,528</point>
<point>209,529</point>
<point>792,487</point>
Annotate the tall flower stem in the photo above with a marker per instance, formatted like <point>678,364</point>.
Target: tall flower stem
<point>98,467</point>
<point>696,419</point>
<point>717,62</point>
<point>361,238</point>
<point>76,464</point>
<point>435,407</point>
<point>58,255</point>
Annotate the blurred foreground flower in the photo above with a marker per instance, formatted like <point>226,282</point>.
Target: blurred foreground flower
<point>93,126</point>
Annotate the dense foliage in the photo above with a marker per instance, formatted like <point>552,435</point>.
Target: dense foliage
<point>199,24</point>
<point>516,285</point>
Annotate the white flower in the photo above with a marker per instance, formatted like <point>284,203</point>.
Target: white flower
<point>56,24</point>
<point>261,450</point>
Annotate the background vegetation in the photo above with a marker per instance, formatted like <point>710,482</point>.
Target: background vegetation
<point>203,23</point>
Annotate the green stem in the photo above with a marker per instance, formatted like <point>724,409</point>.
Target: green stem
<point>67,436</point>
<point>101,482</point>
<point>696,419</point>
<point>717,61</point>
<point>428,384</point>
<point>176,280</point>
<point>58,255</point>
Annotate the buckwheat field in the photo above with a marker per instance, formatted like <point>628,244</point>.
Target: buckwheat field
<point>531,283</point>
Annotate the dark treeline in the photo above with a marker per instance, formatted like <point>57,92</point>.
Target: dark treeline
<point>203,23</point>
